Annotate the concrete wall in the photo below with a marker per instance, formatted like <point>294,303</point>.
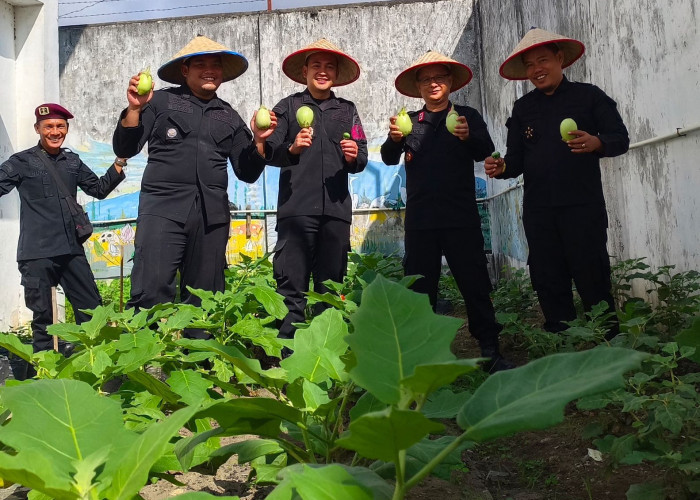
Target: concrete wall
<point>644,55</point>
<point>29,68</point>
<point>640,53</point>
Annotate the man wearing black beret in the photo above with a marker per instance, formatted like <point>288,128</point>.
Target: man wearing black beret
<point>49,252</point>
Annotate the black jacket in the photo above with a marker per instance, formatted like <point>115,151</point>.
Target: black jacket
<point>189,145</point>
<point>553,175</point>
<point>46,228</point>
<point>316,181</point>
<point>440,186</point>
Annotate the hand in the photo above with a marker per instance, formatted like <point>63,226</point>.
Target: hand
<point>301,141</point>
<point>584,143</point>
<point>261,135</point>
<point>349,148</point>
<point>494,167</point>
<point>394,131</point>
<point>462,129</point>
<point>136,101</point>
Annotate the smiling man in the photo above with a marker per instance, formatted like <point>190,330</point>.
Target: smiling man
<point>442,217</point>
<point>49,252</point>
<point>183,220</point>
<point>564,213</point>
<point>314,209</point>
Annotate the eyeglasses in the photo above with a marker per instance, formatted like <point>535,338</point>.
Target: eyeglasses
<point>439,79</point>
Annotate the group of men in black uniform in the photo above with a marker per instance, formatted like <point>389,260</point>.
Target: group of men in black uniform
<point>192,134</point>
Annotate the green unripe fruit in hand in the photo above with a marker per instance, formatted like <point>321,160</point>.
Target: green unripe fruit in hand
<point>346,135</point>
<point>403,121</point>
<point>262,118</point>
<point>305,116</point>
<point>145,82</point>
<point>452,120</point>
<point>495,155</point>
<point>567,125</point>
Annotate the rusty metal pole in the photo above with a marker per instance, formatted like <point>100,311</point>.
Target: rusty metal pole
<point>269,4</point>
<point>121,279</point>
<point>54,315</point>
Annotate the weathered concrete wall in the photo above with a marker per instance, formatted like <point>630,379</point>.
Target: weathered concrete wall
<point>97,61</point>
<point>29,69</point>
<point>643,54</point>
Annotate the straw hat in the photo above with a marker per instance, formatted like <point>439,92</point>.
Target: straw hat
<point>234,63</point>
<point>406,81</point>
<point>348,69</point>
<point>513,67</point>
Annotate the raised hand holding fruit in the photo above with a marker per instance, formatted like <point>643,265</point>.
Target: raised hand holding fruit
<point>262,118</point>
<point>567,126</point>
<point>404,122</point>
<point>452,120</point>
<point>305,116</point>
<point>145,82</point>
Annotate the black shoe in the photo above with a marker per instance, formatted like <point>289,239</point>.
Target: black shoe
<point>496,362</point>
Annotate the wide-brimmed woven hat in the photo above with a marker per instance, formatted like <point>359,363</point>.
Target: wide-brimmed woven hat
<point>406,81</point>
<point>348,69</point>
<point>513,67</point>
<point>234,63</point>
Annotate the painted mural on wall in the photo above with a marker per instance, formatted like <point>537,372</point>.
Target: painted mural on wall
<point>110,244</point>
<point>378,196</point>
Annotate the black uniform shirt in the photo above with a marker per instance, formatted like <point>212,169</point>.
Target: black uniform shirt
<point>189,144</point>
<point>440,186</point>
<point>316,181</point>
<point>554,176</point>
<point>46,228</point>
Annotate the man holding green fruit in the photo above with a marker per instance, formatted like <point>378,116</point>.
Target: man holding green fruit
<point>319,140</point>
<point>440,143</point>
<point>557,134</point>
<point>183,221</point>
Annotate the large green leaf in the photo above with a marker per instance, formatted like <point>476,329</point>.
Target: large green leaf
<point>330,482</point>
<point>533,396</point>
<point>190,385</point>
<point>131,474</point>
<point>366,404</point>
<point>445,404</point>
<point>382,434</point>
<point>250,449</point>
<point>395,331</point>
<point>55,425</point>
<point>429,378</point>
<point>251,367</point>
<point>420,454</point>
<point>317,349</point>
<point>272,301</point>
<point>13,344</point>
<point>690,337</point>
<point>153,385</point>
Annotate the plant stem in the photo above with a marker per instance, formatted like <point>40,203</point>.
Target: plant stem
<point>307,443</point>
<point>347,390</point>
<point>427,468</point>
<point>400,488</point>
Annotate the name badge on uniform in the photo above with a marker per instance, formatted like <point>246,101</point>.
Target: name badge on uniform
<point>171,133</point>
<point>421,116</point>
<point>408,156</point>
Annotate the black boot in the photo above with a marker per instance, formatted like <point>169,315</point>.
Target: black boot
<point>496,362</point>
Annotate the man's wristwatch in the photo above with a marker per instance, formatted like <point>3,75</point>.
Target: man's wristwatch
<point>120,161</point>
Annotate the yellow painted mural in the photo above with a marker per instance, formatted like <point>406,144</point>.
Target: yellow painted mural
<point>111,243</point>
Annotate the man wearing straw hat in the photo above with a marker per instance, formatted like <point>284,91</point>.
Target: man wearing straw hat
<point>49,251</point>
<point>184,219</point>
<point>564,213</point>
<point>314,209</point>
<point>441,211</point>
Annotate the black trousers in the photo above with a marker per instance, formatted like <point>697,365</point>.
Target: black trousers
<point>464,251</point>
<point>568,243</point>
<point>74,275</point>
<point>163,247</point>
<point>308,246</point>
